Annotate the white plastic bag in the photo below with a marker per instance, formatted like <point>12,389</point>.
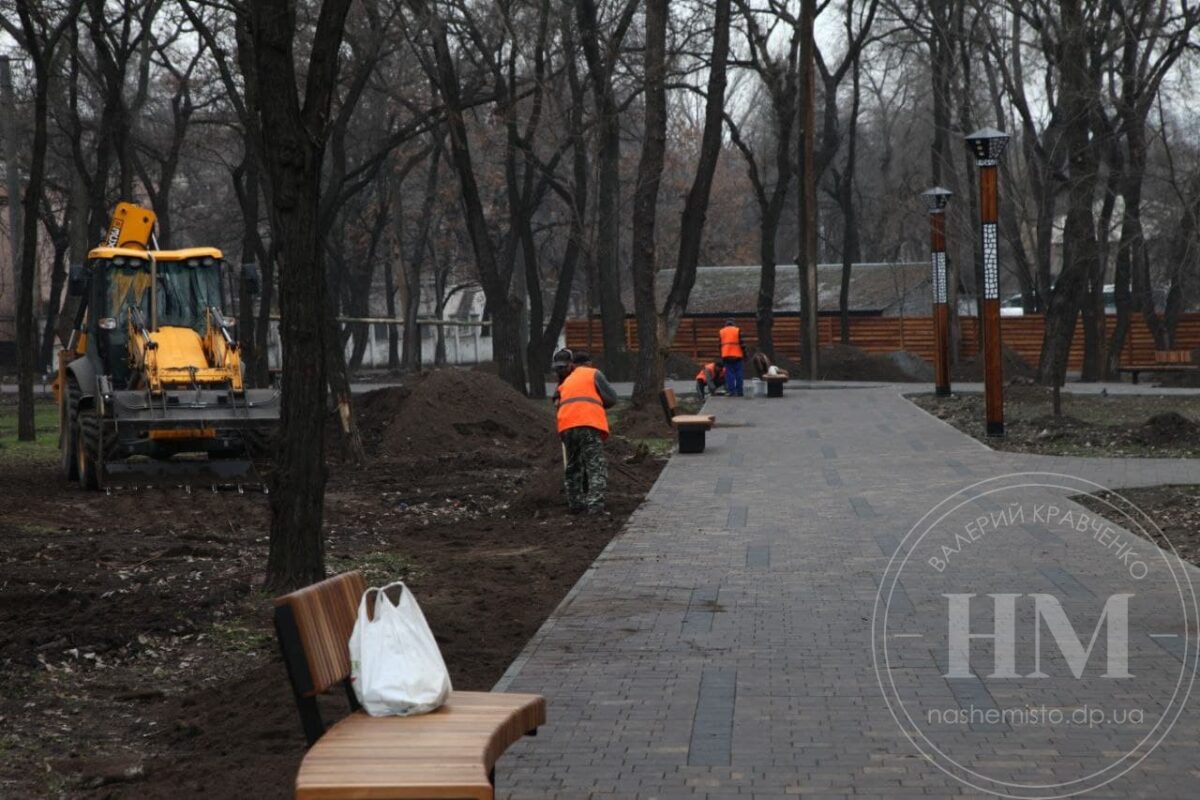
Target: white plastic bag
<point>396,668</point>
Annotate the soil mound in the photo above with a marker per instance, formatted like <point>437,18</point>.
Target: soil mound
<point>451,411</point>
<point>1167,428</point>
<point>1016,368</point>
<point>843,362</point>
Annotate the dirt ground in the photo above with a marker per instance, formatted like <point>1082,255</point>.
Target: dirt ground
<point>136,653</point>
<point>1091,425</point>
<point>1175,510</point>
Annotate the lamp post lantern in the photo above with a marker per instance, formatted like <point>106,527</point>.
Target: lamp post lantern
<point>987,145</point>
<point>936,200</point>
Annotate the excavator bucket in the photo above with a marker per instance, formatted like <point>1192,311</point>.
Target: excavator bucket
<point>185,437</point>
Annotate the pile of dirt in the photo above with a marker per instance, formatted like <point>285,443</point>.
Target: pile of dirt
<point>1016,368</point>
<point>1167,428</point>
<point>451,411</point>
<point>843,362</point>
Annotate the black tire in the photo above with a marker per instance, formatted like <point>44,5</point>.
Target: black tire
<point>69,427</point>
<point>88,448</point>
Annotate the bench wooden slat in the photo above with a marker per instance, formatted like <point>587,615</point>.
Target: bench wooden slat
<point>692,420</point>
<point>446,754</point>
<point>1173,356</point>
<point>325,614</point>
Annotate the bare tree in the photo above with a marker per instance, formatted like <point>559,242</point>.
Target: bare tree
<point>780,77</point>
<point>295,130</point>
<point>656,332</point>
<point>602,55</point>
<point>40,31</point>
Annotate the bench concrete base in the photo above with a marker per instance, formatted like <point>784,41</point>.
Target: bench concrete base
<point>775,388</point>
<point>691,440</point>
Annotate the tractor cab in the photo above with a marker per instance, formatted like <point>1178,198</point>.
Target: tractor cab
<point>158,306</point>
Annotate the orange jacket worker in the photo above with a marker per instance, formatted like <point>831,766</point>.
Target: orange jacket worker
<point>709,377</point>
<point>733,351</point>
<point>583,397</point>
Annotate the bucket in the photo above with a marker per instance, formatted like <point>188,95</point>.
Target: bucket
<point>758,387</point>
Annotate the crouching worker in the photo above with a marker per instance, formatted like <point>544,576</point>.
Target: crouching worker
<point>583,396</point>
<point>709,378</point>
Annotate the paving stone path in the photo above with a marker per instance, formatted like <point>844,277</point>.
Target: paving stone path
<point>721,646</point>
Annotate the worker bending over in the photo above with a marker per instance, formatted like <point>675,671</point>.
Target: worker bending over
<point>583,395</point>
<point>733,351</point>
<point>709,378</point>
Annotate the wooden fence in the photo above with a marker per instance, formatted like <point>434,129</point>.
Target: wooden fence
<point>697,336</point>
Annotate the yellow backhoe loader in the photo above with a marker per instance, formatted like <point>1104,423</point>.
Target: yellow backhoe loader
<point>150,386</point>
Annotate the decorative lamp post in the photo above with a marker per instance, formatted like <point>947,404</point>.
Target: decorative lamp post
<point>936,200</point>
<point>987,144</point>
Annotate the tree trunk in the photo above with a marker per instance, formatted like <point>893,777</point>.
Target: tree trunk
<point>293,147</point>
<point>248,196</point>
<point>850,235</point>
<point>1077,99</point>
<point>58,280</point>
<point>649,377</point>
<point>541,348</point>
<point>1095,359</point>
<point>941,160</point>
<point>807,261</point>
<point>765,314</point>
<point>695,208</point>
<point>389,290</point>
<point>1132,233</point>
<point>27,348</point>
<point>608,211</point>
<point>338,374</point>
<point>495,276</point>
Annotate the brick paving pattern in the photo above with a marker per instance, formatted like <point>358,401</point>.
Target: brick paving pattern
<point>720,647</point>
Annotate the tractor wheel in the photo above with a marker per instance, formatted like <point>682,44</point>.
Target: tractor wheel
<point>88,448</point>
<point>69,427</point>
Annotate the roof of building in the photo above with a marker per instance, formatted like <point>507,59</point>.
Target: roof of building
<point>882,288</point>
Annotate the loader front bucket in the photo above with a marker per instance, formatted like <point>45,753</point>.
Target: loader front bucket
<point>193,437</point>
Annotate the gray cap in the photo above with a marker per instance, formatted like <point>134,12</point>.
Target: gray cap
<point>562,358</point>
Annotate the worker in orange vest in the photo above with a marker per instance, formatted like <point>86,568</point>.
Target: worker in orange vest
<point>583,397</point>
<point>733,351</point>
<point>709,378</point>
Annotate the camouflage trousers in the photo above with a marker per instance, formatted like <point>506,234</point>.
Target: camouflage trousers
<point>586,469</point>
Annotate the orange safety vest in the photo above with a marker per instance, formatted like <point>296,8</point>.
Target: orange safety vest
<point>708,371</point>
<point>731,342</point>
<point>579,404</point>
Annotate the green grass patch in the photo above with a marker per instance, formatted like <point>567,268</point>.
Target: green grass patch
<point>377,568</point>
<point>659,447</point>
<point>235,636</point>
<point>44,450</point>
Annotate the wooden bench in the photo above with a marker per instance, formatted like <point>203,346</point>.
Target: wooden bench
<point>1164,361</point>
<point>690,428</point>
<point>450,753</point>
